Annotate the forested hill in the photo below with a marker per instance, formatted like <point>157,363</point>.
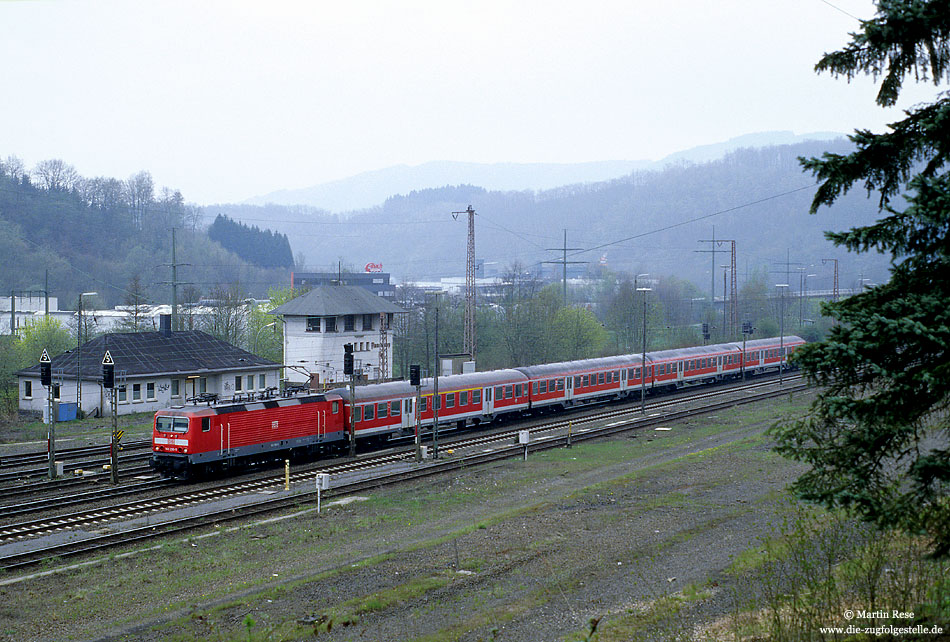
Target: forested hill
<point>98,234</point>
<point>638,223</point>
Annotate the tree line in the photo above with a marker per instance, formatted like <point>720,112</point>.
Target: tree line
<point>261,247</point>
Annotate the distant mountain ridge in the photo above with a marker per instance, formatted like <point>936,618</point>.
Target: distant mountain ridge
<point>372,188</point>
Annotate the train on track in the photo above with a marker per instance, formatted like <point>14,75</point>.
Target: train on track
<point>207,436</point>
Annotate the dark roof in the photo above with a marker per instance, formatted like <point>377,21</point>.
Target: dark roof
<point>333,300</point>
<point>152,353</point>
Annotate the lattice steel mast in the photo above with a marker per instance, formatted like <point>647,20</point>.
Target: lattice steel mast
<point>469,339</point>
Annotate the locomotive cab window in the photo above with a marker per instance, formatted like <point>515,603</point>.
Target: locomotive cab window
<point>336,407</point>
<point>171,424</point>
<point>205,424</point>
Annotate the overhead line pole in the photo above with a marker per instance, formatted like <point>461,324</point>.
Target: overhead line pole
<point>564,263</point>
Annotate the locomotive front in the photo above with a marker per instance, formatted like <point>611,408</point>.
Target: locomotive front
<point>172,442</point>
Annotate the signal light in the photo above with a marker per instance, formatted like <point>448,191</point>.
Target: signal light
<point>415,375</point>
<point>348,359</point>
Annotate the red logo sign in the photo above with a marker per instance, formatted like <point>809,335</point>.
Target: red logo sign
<point>374,267</point>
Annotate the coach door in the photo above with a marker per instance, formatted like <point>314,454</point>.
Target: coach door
<point>408,416</point>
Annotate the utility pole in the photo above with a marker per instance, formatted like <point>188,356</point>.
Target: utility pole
<point>469,339</point>
<point>730,327</point>
<point>781,351</point>
<point>834,291</point>
<point>435,388</point>
<point>174,282</point>
<point>643,358</point>
<point>383,348</point>
<point>564,263</point>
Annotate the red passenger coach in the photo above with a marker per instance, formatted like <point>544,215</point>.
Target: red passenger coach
<point>219,436</point>
<point>387,409</point>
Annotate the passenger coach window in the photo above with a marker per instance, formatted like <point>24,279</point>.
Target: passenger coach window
<point>508,391</point>
<point>450,400</point>
<point>600,378</point>
<point>476,396</point>
<point>395,408</point>
<point>381,410</point>
<point>424,404</point>
<point>368,413</point>
<point>544,387</point>
<point>560,384</point>
<point>519,390</point>
<point>463,398</point>
<point>358,414</point>
<point>499,393</point>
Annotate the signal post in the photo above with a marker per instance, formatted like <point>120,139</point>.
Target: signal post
<point>108,382</point>
<point>46,379</point>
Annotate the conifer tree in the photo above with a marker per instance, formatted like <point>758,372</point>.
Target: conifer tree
<point>877,435</point>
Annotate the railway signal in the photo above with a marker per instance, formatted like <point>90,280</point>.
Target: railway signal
<point>46,379</point>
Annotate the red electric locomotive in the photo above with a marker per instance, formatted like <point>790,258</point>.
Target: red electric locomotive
<point>217,437</point>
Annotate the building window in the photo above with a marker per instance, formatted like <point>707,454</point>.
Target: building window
<point>250,382</point>
<point>331,324</point>
<point>203,385</point>
<point>238,380</point>
<point>377,280</point>
<point>367,322</point>
<point>123,394</point>
<point>176,388</point>
<point>150,391</point>
<point>313,324</point>
<point>56,391</point>
<point>261,382</point>
<point>136,392</point>
<point>27,389</point>
<point>349,323</point>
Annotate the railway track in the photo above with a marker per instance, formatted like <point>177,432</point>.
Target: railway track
<point>484,447</point>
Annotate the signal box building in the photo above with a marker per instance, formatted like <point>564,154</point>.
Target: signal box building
<point>319,323</point>
<point>153,370</point>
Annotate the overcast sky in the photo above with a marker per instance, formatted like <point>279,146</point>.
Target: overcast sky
<point>226,100</point>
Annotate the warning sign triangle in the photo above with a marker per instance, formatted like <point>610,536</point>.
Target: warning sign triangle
<point>107,359</point>
<point>44,358</point>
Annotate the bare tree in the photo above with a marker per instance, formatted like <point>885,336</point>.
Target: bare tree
<point>135,301</point>
<point>228,318</point>
<point>139,193</point>
<point>55,175</point>
<point>13,167</point>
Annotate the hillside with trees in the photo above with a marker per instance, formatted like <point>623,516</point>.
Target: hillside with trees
<point>98,234</point>
<point>648,221</point>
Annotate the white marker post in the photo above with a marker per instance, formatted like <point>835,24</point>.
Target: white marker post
<point>323,483</point>
<point>524,436</point>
